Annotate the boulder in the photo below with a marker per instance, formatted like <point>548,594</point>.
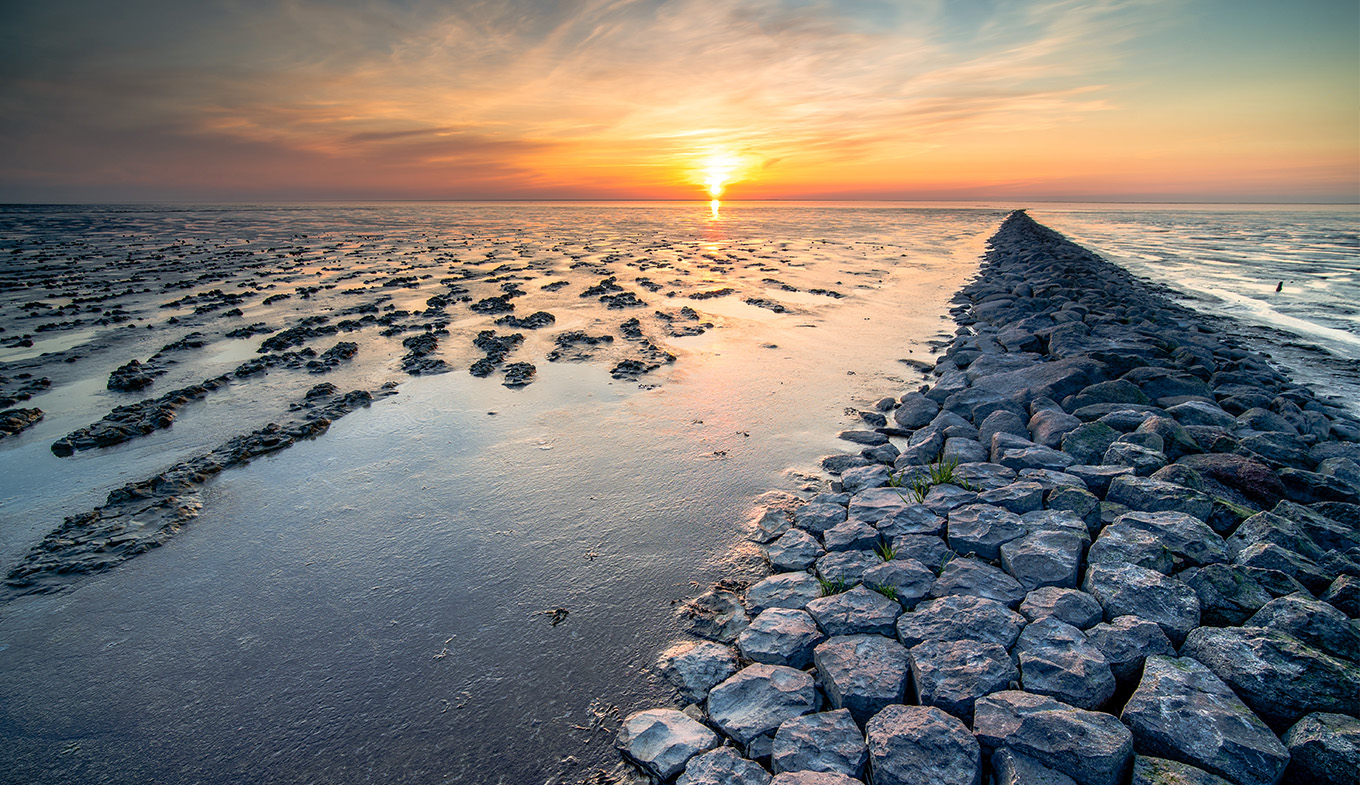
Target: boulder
<point>952,675</point>
<point>916,411</point>
<point>982,528</point>
<point>1080,502</point>
<point>1143,460</point>
<point>723,766</point>
<point>1018,497</point>
<point>1182,711</point>
<point>1324,748</point>
<point>817,517</point>
<point>1269,556</point>
<point>813,778</point>
<point>929,551</point>
<point>857,479</point>
<point>1036,458</point>
<point>1011,768</point>
<point>1187,538</point>
<point>716,615</point>
<point>1048,426</point>
<point>921,745</point>
<point>1277,675</point>
<point>1201,413</point>
<point>940,499</point>
<point>759,698</point>
<point>1160,771</point>
<point>1087,443</point>
<point>827,742</point>
<point>1228,595</point>
<point>693,668</point>
<point>1344,595</point>
<point>780,636</point>
<point>908,580</point>
<point>858,611</point>
<point>850,535</point>
<point>794,550</point>
<point>1076,608</point>
<point>977,578</point>
<point>1126,642</point>
<point>847,567</point>
<point>1127,589</point>
<point>662,741</point>
<point>1045,558</point>
<point>862,673</point>
<point>960,617</point>
<point>1090,747</point>
<point>1119,544</point>
<point>786,590</point>
<point>1176,440</point>
<point>1253,479</point>
<point>1315,623</point>
<point>1098,478</point>
<point>1057,660</point>
<point>770,525</point>
<point>1148,495</point>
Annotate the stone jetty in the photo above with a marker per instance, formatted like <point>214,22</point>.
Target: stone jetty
<point>1108,544</point>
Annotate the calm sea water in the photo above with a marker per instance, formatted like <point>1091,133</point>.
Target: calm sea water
<point>375,605</point>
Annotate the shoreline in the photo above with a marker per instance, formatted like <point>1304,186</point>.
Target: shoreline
<point>1102,518</point>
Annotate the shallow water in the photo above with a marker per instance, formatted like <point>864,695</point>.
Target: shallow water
<point>1229,260</point>
<point>374,604</point>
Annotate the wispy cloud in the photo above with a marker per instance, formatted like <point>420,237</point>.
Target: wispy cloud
<point>541,95</point>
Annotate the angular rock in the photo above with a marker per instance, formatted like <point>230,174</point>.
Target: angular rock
<point>1082,503</point>
<point>952,675</point>
<point>1057,660</point>
<point>921,745</point>
<point>1128,589</point>
<point>1187,538</point>
<point>1228,595</point>
<point>847,567</point>
<point>1119,544</point>
<point>694,668</point>
<point>1182,711</point>
<point>1253,479</point>
<point>982,528</point>
<point>723,766</point>
<point>862,673</point>
<point>780,636</point>
<point>1315,623</point>
<point>850,535</point>
<point>858,611</point>
<point>827,742</point>
<point>1048,427</point>
<point>1176,440</point>
<point>787,590</point>
<point>1143,460</point>
<point>1278,676</point>
<point>812,778</point>
<point>1324,748</point>
<point>817,517</point>
<point>1202,413</point>
<point>1098,478</point>
<point>929,551</point>
<point>908,579</point>
<point>795,550</point>
<point>960,450</point>
<point>858,479</point>
<point>1036,458</point>
<point>1148,495</point>
<point>1126,642</point>
<point>1076,608</point>
<point>1344,595</point>
<point>1090,747</point>
<point>916,411</point>
<point>943,498</point>
<point>1087,443</point>
<point>760,698</point>
<point>1269,556</point>
<point>1160,771</point>
<point>716,615</point>
<point>1045,558</point>
<point>977,578</point>
<point>662,741</point>
<point>960,617</point>
<point>770,525</point>
<point>1018,497</point>
<point>1011,768</point>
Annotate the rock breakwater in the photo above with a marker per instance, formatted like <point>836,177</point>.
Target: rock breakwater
<point>1106,544</point>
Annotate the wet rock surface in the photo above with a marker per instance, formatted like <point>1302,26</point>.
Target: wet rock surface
<point>1097,477</point>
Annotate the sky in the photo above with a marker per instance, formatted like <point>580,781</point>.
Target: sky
<point>1101,100</point>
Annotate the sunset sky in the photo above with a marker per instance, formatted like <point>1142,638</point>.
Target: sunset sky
<point>1142,100</point>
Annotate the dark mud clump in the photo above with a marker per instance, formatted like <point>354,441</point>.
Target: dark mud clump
<point>27,388</point>
<point>519,375</point>
<point>761,302</point>
<point>533,321</point>
<point>569,343</point>
<point>133,376</point>
<point>144,515</point>
<point>491,305</point>
<point>709,295</point>
<point>14,421</point>
<point>417,359</point>
<point>496,348</point>
<point>135,419</point>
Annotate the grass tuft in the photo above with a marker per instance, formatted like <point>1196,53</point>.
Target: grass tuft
<point>832,587</point>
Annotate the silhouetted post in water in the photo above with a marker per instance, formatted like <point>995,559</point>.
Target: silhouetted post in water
<point>1279,287</point>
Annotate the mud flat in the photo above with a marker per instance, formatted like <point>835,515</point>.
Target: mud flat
<point>1106,544</point>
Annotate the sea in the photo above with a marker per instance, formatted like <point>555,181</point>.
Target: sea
<point>469,581</point>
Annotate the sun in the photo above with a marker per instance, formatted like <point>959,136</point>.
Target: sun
<point>717,171</point>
